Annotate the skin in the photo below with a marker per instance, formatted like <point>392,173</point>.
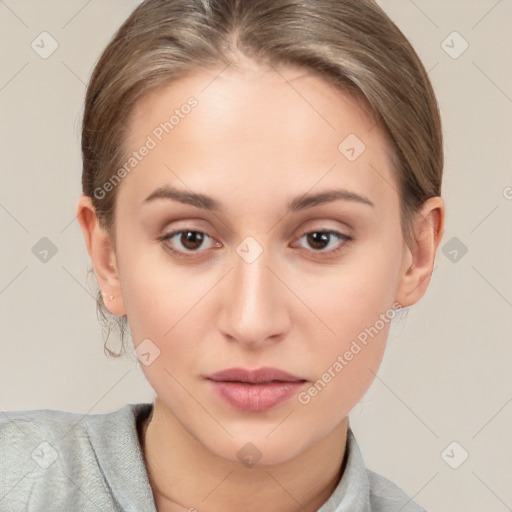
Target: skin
<point>254,142</point>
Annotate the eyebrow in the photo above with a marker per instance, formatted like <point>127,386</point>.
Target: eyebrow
<point>299,203</point>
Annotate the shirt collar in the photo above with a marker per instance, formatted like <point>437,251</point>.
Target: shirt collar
<point>115,439</point>
<point>352,493</point>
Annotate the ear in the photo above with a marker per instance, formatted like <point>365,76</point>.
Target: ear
<point>101,252</point>
<point>418,260</point>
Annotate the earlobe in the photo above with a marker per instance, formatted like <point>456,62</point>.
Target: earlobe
<point>101,252</point>
<point>419,260</point>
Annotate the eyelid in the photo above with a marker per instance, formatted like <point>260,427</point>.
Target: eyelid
<point>344,241</point>
<point>344,238</point>
<point>177,231</point>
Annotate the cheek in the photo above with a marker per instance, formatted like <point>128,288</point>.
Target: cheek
<point>343,379</point>
<point>345,363</point>
<point>352,296</point>
<point>163,307</point>
<point>157,292</point>
<point>159,304</point>
<point>355,304</point>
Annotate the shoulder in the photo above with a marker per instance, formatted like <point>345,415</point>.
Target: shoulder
<point>21,426</point>
<point>363,490</point>
<point>28,439</point>
<point>47,455</point>
<point>21,429</point>
<point>386,496</point>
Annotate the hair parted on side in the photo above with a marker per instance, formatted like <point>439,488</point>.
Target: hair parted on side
<point>352,44</point>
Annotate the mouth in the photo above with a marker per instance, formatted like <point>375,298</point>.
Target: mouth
<point>255,390</point>
<point>261,375</point>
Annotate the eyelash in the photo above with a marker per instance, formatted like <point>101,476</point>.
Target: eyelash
<point>345,238</point>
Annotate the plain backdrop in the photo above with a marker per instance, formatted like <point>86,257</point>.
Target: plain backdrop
<point>444,389</point>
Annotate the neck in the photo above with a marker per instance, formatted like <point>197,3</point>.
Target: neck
<point>185,476</point>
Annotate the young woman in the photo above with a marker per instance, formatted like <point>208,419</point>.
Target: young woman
<point>261,194</point>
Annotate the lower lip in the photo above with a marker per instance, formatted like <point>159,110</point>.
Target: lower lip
<point>255,397</point>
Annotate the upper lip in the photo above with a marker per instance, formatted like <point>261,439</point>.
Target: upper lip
<point>259,375</point>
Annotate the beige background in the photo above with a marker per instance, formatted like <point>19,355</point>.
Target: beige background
<point>446,375</point>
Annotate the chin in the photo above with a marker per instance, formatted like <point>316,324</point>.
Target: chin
<point>258,448</point>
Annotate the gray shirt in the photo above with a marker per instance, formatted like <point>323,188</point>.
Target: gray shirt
<point>68,462</point>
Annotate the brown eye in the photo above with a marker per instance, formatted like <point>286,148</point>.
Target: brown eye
<point>317,239</point>
<point>191,240</point>
<point>184,242</point>
<point>320,240</point>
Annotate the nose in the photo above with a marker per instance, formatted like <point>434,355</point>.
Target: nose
<point>254,303</point>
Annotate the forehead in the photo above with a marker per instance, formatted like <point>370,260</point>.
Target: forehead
<point>228,95</point>
<point>257,127</point>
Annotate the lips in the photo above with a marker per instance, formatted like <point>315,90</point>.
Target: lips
<point>255,390</point>
<point>254,376</point>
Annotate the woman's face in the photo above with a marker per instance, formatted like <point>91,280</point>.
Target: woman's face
<point>267,277</point>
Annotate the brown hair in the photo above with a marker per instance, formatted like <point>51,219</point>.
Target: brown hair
<point>352,44</point>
